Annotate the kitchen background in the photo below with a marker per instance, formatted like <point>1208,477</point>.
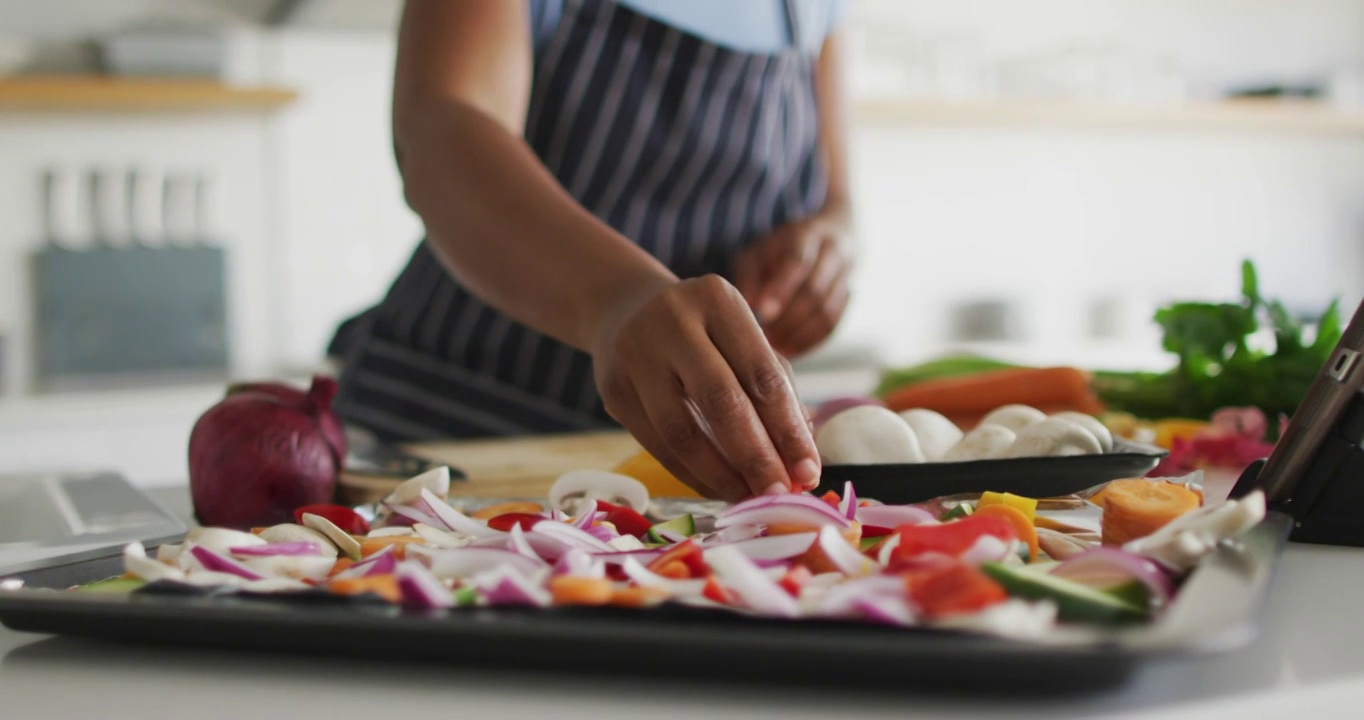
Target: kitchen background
<point>1033,178</point>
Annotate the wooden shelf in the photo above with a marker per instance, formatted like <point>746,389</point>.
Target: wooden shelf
<point>91,94</point>
<point>1256,116</point>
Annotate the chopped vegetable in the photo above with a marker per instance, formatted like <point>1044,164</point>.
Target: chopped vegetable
<point>626,520</point>
<point>952,539</point>
<point>1074,601</point>
<point>506,521</point>
<point>385,586</point>
<point>369,546</point>
<point>952,589</point>
<point>686,554</point>
<point>1022,525</point>
<point>867,435</point>
<point>1028,506</point>
<point>1138,507</point>
<point>683,525</point>
<point>569,590</point>
<point>953,366</point>
<point>492,511</point>
<point>343,517</point>
<point>653,476</point>
<point>1065,387</point>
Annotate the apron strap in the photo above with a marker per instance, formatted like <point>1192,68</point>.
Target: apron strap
<point>793,25</point>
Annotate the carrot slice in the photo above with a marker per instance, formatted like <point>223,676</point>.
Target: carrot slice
<point>385,586</point>
<point>569,590</point>
<point>638,597</point>
<point>1136,508</point>
<point>493,511</point>
<point>1022,525</point>
<point>369,546</point>
<point>341,564</point>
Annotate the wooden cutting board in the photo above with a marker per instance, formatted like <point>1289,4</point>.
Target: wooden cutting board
<point>506,467</point>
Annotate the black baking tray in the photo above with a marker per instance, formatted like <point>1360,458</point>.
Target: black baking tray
<point>1217,610</point>
<point>1039,477</point>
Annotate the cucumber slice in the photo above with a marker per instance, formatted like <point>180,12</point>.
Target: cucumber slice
<point>959,512</point>
<point>682,525</point>
<point>1074,601</point>
<point>869,543</point>
<point>113,585</point>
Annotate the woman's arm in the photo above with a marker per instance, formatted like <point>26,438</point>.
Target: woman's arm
<point>681,364</point>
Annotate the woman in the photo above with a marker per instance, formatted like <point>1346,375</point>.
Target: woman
<point>592,176</point>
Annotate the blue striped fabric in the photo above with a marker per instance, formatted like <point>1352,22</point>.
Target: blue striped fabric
<point>688,148</point>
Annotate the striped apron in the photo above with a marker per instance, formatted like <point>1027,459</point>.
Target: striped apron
<point>690,149</point>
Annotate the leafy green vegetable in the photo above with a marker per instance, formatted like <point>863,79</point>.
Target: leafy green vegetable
<point>1217,368</point>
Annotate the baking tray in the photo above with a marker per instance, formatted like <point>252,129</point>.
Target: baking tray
<point>1218,610</point>
<point>1031,477</point>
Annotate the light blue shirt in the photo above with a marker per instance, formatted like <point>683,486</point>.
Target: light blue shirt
<point>753,26</point>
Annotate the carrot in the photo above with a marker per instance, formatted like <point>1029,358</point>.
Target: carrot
<point>1137,507</point>
<point>493,511</point>
<point>340,566</point>
<point>676,570</point>
<point>385,586</point>
<point>369,545</point>
<point>637,597</point>
<point>980,393</point>
<point>569,590</point>
<point>1022,524</point>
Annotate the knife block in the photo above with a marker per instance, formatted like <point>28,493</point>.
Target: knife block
<point>118,316</point>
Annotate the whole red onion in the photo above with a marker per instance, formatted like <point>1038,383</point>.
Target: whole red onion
<point>263,451</point>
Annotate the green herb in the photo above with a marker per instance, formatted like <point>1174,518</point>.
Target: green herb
<point>1216,366</point>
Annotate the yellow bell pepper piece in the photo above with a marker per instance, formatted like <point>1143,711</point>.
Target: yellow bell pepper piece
<point>1027,506</point>
<point>1168,430</point>
<point>651,473</point>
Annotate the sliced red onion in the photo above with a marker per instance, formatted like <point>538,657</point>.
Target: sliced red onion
<point>463,562</point>
<point>585,520</point>
<point>420,589</point>
<point>570,536</point>
<point>759,592</point>
<point>989,548</point>
<point>671,536</point>
<point>296,567</point>
<point>558,515</point>
<point>645,577</point>
<point>273,586</point>
<point>517,542</point>
<point>412,515</point>
<point>439,537</point>
<point>785,509</point>
<point>849,504</point>
<point>220,539</point>
<point>602,533</point>
<point>775,547</point>
<point>380,563</point>
<point>218,562</point>
<point>1103,568</point>
<point>894,516</point>
<point>840,599</point>
<point>844,556</point>
<point>136,562</point>
<point>507,587</point>
<point>619,557</point>
<point>886,609</point>
<point>887,548</point>
<point>625,542</point>
<point>456,520</point>
<point>774,568</point>
<point>213,578</point>
<point>579,563</point>
<point>285,548</point>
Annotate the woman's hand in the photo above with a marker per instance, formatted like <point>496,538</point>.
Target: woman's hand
<point>684,366</point>
<point>796,280</point>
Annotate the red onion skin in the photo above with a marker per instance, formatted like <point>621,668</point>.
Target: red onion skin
<point>316,400</point>
<point>253,459</point>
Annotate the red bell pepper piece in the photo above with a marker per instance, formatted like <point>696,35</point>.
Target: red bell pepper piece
<point>506,521</point>
<point>341,516</point>
<point>717,592</point>
<point>688,554</point>
<point>795,579</point>
<point>832,499</point>
<point>872,531</point>
<point>952,589</point>
<point>626,520</point>
<point>950,538</point>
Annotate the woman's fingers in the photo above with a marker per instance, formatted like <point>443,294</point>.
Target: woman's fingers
<point>629,411</point>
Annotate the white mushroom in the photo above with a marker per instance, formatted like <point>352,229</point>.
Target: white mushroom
<point>936,434</point>
<point>985,442</point>
<point>867,435</point>
<point>220,540</point>
<point>1092,424</point>
<point>342,539</point>
<point>1053,437</point>
<point>572,490</point>
<point>1014,417</point>
<point>437,480</point>
<point>290,532</point>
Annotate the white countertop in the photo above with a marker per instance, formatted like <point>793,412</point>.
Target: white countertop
<point>1309,663</point>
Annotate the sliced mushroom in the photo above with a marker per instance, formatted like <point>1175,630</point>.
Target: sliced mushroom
<point>1014,417</point>
<point>342,539</point>
<point>867,435</point>
<point>289,532</point>
<point>1092,424</point>
<point>935,433</point>
<point>440,537</point>
<point>986,442</point>
<point>576,488</point>
<point>390,532</point>
<point>1053,437</point>
<point>221,539</point>
<point>437,480</point>
<point>1059,545</point>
